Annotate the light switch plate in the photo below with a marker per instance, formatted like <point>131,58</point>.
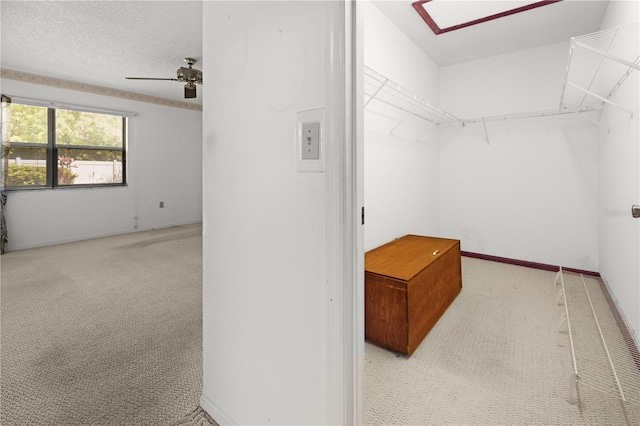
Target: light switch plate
<point>309,141</point>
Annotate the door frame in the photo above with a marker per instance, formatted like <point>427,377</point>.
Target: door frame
<point>344,227</point>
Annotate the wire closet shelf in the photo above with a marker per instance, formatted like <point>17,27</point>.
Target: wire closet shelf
<point>409,108</point>
<point>598,64</point>
<point>603,358</point>
<point>414,110</point>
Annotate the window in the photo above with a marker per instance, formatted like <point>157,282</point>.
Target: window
<point>51,148</point>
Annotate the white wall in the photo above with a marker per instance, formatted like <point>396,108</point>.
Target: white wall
<point>619,161</point>
<point>158,137</point>
<point>531,193</point>
<point>265,340</point>
<point>401,175</point>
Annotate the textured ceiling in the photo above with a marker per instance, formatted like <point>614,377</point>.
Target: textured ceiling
<point>101,42</point>
<point>553,23</point>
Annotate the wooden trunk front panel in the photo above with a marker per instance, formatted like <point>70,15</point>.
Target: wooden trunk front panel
<point>385,312</point>
<point>408,288</point>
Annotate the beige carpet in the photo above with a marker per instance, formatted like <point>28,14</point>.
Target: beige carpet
<point>497,357</point>
<point>104,332</point>
<point>108,332</point>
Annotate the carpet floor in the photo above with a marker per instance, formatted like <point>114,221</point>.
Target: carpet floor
<point>499,357</point>
<point>103,332</point>
<point>109,332</point>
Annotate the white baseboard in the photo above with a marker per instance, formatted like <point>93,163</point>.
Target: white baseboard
<point>38,244</point>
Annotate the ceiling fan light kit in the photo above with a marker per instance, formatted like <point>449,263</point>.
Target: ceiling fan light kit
<point>189,90</point>
<point>190,76</point>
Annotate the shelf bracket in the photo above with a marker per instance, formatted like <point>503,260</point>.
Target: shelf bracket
<point>580,114</point>
<point>562,322</point>
<point>557,280</point>
<point>601,98</point>
<point>405,117</point>
<point>613,37</point>
<point>429,126</point>
<point>486,134</point>
<point>622,79</point>
<point>560,297</point>
<point>566,74</point>
<point>376,92</point>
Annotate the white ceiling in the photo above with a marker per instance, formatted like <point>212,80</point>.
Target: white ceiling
<point>101,42</point>
<point>544,25</point>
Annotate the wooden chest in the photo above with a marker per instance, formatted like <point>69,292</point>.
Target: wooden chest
<point>409,283</point>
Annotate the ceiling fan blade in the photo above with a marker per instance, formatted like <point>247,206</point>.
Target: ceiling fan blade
<point>151,78</point>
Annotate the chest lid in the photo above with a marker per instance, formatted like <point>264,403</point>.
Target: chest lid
<point>407,256</point>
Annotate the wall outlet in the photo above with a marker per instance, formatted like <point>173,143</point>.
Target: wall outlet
<point>162,204</point>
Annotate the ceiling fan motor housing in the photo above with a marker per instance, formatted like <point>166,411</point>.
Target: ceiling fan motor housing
<point>189,74</point>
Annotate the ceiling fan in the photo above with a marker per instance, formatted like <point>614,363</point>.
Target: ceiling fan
<point>190,76</point>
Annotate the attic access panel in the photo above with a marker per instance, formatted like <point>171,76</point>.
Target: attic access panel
<point>445,16</point>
